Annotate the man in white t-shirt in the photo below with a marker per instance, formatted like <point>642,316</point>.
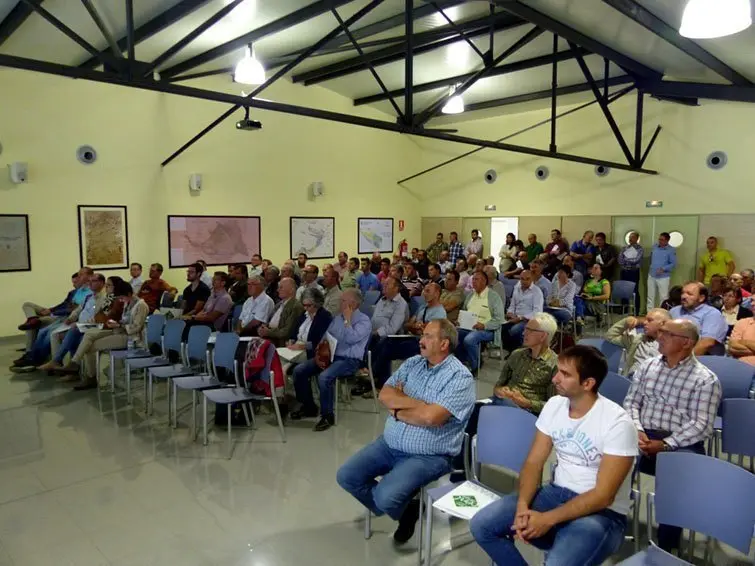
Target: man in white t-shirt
<point>580,517</point>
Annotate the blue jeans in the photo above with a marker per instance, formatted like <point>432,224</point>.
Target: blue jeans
<point>70,343</point>
<point>41,348</point>
<point>469,341</point>
<point>341,367</point>
<point>579,307</point>
<point>563,316</point>
<point>403,475</point>
<point>513,335</point>
<point>585,541</point>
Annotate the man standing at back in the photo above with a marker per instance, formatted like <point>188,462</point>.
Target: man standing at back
<point>429,398</point>
<point>715,261</point>
<point>662,263</point>
<point>436,248</point>
<point>580,517</point>
<point>673,402</point>
<point>475,245</point>
<point>630,261</point>
<point>710,321</point>
<point>455,249</point>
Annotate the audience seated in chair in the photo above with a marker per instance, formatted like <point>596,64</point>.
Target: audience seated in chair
<point>595,294</point>
<point>300,264</point>
<point>237,279</point>
<point>742,342</point>
<point>538,279</point>
<point>257,268</point>
<point>376,263</point>
<point>716,291</point>
<point>288,269</point>
<point>332,291</point>
<point>272,280</point>
<point>422,264</point>
<point>312,325</point>
<point>366,280</point>
<point>309,275</point>
<point>526,302</point>
<point>403,348</point>
<point>343,264</point>
<point>488,307</point>
<point>732,308</point>
<point>710,321</point>
<point>284,316</point>
<point>521,264</point>
<point>464,276</point>
<point>445,263</point>
<point>580,517</point>
<point>639,346</point>
<point>153,288</point>
<point>434,275</point>
<point>352,330</point>
<point>350,274</point>
<point>385,269</point>
<point>674,298</point>
<point>494,284</point>
<point>136,277</point>
<point>196,293</point>
<point>429,398</point>
<point>411,280</point>
<point>113,336</point>
<point>673,402</point>
<point>216,309</point>
<point>575,276</point>
<point>257,309</point>
<point>205,276</point>
<point>560,301</point>
<point>452,297</point>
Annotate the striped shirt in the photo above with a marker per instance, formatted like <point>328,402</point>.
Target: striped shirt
<point>448,384</point>
<point>682,400</point>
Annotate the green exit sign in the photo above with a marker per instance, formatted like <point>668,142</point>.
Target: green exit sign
<point>653,204</point>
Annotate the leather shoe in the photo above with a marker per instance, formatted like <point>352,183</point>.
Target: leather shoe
<point>304,414</point>
<point>325,422</point>
<point>31,324</point>
<point>407,522</point>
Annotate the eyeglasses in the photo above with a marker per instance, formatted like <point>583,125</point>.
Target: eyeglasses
<point>307,305</point>
<point>672,334</point>
<point>528,329</point>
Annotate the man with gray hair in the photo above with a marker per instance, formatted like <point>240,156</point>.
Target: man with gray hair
<point>673,402</point>
<point>639,346</point>
<point>352,330</point>
<point>429,399</point>
<point>257,309</point>
<point>284,316</point>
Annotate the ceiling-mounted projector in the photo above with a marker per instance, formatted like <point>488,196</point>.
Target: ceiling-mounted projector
<point>247,124</point>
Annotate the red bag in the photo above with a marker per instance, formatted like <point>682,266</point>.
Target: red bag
<point>254,363</point>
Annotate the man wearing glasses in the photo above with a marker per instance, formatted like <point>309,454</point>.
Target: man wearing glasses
<point>673,402</point>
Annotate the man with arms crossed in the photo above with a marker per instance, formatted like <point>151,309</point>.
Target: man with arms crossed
<point>430,398</point>
<point>580,517</point>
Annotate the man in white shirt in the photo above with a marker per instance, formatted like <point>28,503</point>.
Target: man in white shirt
<point>257,308</point>
<point>136,277</point>
<point>257,268</point>
<point>580,517</point>
<point>444,262</point>
<point>526,302</point>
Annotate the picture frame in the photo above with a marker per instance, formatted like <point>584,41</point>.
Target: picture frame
<point>15,248</point>
<point>219,240</point>
<point>374,235</point>
<point>313,235</point>
<point>103,236</point>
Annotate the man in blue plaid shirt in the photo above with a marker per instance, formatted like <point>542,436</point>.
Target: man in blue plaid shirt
<point>455,248</point>
<point>430,399</point>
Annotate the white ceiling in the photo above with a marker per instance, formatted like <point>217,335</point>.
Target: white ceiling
<point>37,39</point>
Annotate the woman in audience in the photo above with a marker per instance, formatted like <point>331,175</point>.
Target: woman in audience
<point>310,329</point>
<point>508,253</point>
<point>561,299</point>
<point>732,308</point>
<point>674,298</point>
<point>576,276</point>
<point>596,291</point>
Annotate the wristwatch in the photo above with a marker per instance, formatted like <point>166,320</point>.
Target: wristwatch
<point>666,447</point>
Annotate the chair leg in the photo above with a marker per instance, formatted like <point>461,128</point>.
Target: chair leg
<point>174,396</point>
<point>367,524</point>
<point>335,401</point>
<point>111,373</point>
<point>193,415</point>
<point>279,418</point>
<point>428,543</point>
<point>128,382</point>
<point>146,394</point>
<point>204,419</point>
<point>421,523</point>
<point>374,393</point>
<point>230,441</point>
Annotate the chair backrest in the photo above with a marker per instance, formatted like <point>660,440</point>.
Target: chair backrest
<point>506,450</point>
<point>166,300</point>
<point>371,297</point>
<point>735,376</point>
<point>266,373</point>
<point>172,338</point>
<point>622,290</point>
<point>612,352</point>
<point>414,305</point>
<point>615,387</point>
<point>509,285</point>
<point>196,345</point>
<point>738,426</point>
<point>235,315</point>
<point>706,495</point>
<point>367,309</point>
<point>155,326</point>
<point>224,355</point>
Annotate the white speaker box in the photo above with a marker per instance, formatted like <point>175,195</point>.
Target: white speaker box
<point>19,172</point>
<point>195,182</point>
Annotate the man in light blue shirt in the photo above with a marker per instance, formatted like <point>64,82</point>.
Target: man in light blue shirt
<point>526,302</point>
<point>430,399</point>
<point>538,279</point>
<point>352,330</point>
<point>391,311</point>
<point>366,280</point>
<point>662,263</point>
<point>710,322</point>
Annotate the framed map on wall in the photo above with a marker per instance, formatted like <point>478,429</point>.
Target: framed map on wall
<point>313,236</point>
<point>103,237</point>
<point>15,253</point>
<point>218,240</point>
<point>374,235</point>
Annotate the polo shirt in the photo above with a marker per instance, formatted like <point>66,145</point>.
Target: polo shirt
<point>258,308</point>
<point>193,296</point>
<point>715,263</point>
<point>710,321</point>
<point>219,301</point>
<point>367,282</point>
<point>745,330</point>
<point>426,314</point>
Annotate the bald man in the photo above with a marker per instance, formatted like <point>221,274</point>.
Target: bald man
<point>640,346</point>
<point>709,320</point>
<point>285,315</point>
<point>673,402</point>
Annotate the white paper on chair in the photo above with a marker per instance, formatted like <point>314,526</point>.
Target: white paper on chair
<point>332,342</point>
<point>466,500</point>
<point>60,329</point>
<point>84,326</point>
<point>290,355</point>
<point>467,319</point>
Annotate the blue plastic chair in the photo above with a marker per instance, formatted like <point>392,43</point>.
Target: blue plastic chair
<point>705,495</point>
<point>235,315</point>
<point>414,304</point>
<point>223,356</point>
<point>155,326</point>
<point>371,297</point>
<point>612,352</point>
<point>737,431</point>
<point>654,556</point>
<point>194,354</point>
<point>488,447</point>
<point>509,284</point>
<point>615,387</point>
<point>171,342</point>
<point>622,291</point>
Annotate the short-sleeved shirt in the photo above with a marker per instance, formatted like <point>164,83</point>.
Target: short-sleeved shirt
<point>367,282</point>
<point>448,384</point>
<point>581,443</point>
<point>709,321</point>
<point>219,301</point>
<point>151,292</point>
<point>258,308</point>
<point>456,295</point>
<point>530,376</point>
<point>745,330</point>
<point>426,314</point>
<point>533,250</point>
<point>715,263</point>
<point>594,288</point>
<point>193,296</point>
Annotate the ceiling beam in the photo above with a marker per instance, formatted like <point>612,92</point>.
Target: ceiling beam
<point>650,21</point>
<point>523,65</point>
<point>544,94</point>
<point>554,26</point>
<point>699,90</point>
<point>152,27</point>
<point>98,21</point>
<point>423,42</point>
<point>288,21</point>
<point>17,16</point>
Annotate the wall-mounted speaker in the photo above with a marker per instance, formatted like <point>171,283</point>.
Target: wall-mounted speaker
<point>541,173</point>
<point>602,170</point>
<point>18,172</point>
<point>86,154</point>
<point>490,176</point>
<point>717,160</point>
<point>195,182</point>
<point>317,189</point>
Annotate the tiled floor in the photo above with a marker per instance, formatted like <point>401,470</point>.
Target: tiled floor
<point>82,488</point>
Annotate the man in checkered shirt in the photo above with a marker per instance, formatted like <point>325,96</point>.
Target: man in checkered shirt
<point>430,399</point>
<point>673,402</point>
<point>455,248</point>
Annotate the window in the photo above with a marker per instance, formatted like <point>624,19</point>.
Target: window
<point>677,238</point>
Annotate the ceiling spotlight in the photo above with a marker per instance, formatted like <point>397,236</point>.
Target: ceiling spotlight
<point>455,104</point>
<point>706,19</point>
<point>249,70</point>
